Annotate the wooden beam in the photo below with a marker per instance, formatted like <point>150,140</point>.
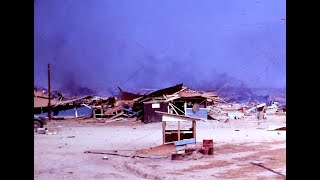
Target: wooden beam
<point>194,129</point>
<point>115,116</point>
<point>173,108</point>
<point>164,131</point>
<point>75,112</point>
<point>178,130</point>
<point>177,108</point>
<point>94,113</point>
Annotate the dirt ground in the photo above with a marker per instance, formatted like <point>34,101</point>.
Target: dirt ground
<point>243,149</point>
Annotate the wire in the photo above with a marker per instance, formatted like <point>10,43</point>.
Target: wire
<point>132,75</point>
<point>137,139</point>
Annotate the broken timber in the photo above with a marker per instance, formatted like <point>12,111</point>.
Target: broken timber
<point>132,156</point>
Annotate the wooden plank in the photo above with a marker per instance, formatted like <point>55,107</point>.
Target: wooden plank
<point>173,108</point>
<point>178,130</point>
<point>113,117</point>
<point>109,153</point>
<point>179,116</point>
<point>173,119</point>
<point>164,131</point>
<point>132,156</point>
<point>194,129</point>
<point>177,108</point>
<point>184,142</point>
<point>181,131</point>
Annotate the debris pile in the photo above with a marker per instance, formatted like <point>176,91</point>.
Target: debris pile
<point>227,111</point>
<point>177,99</point>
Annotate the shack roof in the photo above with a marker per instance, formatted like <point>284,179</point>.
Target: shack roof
<point>61,103</point>
<point>40,94</point>
<point>177,92</point>
<point>208,95</point>
<point>169,90</point>
<point>123,95</point>
<point>39,102</point>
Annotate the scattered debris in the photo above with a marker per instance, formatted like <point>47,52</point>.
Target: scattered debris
<point>41,130</point>
<point>276,128</point>
<point>116,154</point>
<point>236,115</point>
<point>260,165</point>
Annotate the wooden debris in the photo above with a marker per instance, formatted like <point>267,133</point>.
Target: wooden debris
<point>132,156</point>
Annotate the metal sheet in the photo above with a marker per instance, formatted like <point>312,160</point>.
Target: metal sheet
<point>185,141</point>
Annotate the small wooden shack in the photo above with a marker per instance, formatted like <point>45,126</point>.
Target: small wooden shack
<point>150,109</point>
<point>171,135</point>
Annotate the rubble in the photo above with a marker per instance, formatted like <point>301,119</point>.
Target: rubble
<point>178,99</point>
<point>41,130</point>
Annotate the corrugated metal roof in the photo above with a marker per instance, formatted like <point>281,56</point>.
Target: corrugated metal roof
<point>40,94</point>
<point>42,102</point>
<point>70,101</point>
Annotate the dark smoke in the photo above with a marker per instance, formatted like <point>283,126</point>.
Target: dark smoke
<point>72,88</point>
<point>205,45</point>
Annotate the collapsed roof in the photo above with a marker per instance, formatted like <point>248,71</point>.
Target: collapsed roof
<point>179,92</point>
<point>41,100</point>
<point>123,95</point>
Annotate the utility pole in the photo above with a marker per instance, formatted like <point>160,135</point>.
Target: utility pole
<point>49,92</point>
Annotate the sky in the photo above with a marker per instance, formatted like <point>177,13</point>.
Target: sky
<point>103,44</point>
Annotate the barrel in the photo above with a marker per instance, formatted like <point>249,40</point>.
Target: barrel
<point>205,151</point>
<point>208,143</point>
<point>210,152</point>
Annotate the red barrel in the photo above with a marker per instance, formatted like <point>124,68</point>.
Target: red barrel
<point>210,152</point>
<point>207,147</point>
<point>205,151</point>
<point>208,143</point>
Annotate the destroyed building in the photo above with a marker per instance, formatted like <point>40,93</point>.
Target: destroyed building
<point>41,102</point>
<point>175,100</point>
<point>58,106</point>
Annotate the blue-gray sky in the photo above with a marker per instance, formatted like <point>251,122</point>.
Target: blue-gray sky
<point>102,43</point>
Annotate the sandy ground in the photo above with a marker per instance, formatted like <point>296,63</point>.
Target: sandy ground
<point>242,150</point>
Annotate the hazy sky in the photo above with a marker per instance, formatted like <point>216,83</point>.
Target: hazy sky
<point>102,43</point>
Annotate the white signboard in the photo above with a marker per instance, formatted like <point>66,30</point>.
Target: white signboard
<point>156,105</point>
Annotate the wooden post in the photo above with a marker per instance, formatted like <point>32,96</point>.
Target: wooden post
<point>164,131</point>
<point>93,112</point>
<point>178,130</point>
<point>194,129</point>
<point>75,111</point>
<point>49,93</point>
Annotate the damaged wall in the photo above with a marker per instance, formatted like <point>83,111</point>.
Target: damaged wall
<point>150,109</point>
